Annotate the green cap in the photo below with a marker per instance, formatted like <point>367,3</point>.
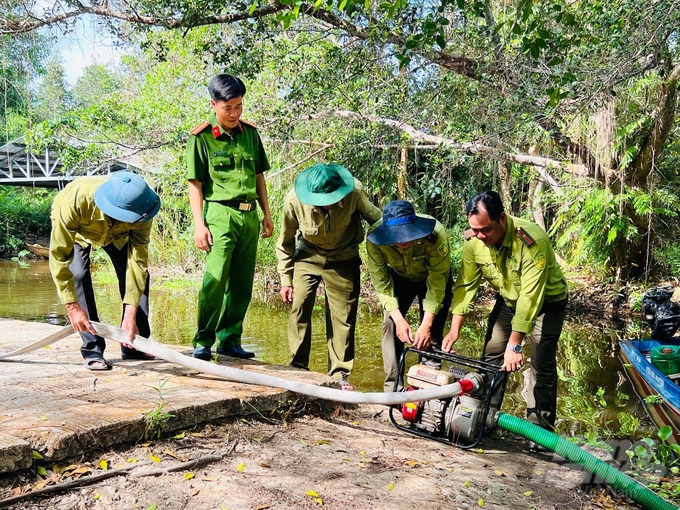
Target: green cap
<point>323,184</point>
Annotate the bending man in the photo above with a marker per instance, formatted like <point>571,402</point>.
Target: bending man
<point>319,241</point>
<point>516,258</point>
<point>115,214</point>
<point>408,257</point>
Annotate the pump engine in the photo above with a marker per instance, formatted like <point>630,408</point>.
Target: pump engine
<point>662,314</point>
<point>455,420</point>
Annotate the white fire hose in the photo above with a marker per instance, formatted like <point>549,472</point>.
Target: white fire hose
<point>246,376</point>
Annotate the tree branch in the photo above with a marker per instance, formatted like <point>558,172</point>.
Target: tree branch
<point>469,147</point>
<point>461,65</point>
<point>30,22</point>
<point>664,119</point>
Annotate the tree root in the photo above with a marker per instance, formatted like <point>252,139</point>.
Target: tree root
<point>201,461</point>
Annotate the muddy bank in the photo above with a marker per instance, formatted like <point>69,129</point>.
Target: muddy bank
<point>312,455</point>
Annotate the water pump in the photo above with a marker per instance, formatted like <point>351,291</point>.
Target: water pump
<point>460,420</point>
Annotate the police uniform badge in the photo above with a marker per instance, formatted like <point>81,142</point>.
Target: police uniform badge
<point>444,248</point>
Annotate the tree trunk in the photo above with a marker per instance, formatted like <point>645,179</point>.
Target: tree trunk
<point>504,184</point>
<point>535,200</point>
<point>402,175</point>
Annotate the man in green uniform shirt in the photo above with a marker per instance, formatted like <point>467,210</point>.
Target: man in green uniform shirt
<point>408,257</point>
<point>114,213</point>
<point>225,167</point>
<point>319,241</point>
<point>516,258</point>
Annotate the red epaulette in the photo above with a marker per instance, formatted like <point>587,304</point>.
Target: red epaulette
<point>433,238</point>
<point>200,128</point>
<point>523,236</point>
<point>248,123</point>
<point>468,234</point>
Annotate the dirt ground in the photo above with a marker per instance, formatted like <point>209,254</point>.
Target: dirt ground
<point>309,457</point>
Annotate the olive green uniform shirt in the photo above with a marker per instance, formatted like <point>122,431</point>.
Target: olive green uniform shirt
<point>226,164</point>
<point>327,236</point>
<point>425,259</point>
<point>76,219</point>
<point>525,276</point>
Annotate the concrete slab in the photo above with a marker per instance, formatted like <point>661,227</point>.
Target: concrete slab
<point>52,404</point>
<point>15,454</point>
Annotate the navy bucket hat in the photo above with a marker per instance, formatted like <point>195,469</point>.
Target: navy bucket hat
<point>323,184</point>
<point>127,197</point>
<point>401,224</point>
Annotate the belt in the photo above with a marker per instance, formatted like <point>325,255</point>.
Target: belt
<point>241,206</point>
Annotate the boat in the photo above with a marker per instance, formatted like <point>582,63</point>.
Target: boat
<point>39,250</point>
<point>649,381</point>
<point>653,365</point>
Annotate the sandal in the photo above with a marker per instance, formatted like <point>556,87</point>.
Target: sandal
<point>97,364</point>
<point>343,382</point>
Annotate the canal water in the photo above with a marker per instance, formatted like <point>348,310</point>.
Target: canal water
<point>596,401</point>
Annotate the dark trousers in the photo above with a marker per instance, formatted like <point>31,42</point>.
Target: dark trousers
<point>94,346</point>
<point>406,291</point>
<point>540,383</point>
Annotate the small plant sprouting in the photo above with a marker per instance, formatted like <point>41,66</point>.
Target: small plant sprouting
<point>155,418</point>
<point>651,453</point>
<point>654,399</point>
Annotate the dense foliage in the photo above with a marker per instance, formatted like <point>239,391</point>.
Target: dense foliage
<point>24,213</point>
<point>567,108</point>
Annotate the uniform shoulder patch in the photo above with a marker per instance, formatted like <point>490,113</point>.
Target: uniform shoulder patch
<point>540,260</point>
<point>468,234</point>
<point>523,236</point>
<point>248,123</point>
<point>201,127</point>
<point>444,248</point>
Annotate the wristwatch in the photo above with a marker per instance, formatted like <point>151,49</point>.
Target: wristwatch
<point>515,348</point>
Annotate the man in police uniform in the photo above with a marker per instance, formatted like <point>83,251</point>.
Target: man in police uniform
<point>114,213</point>
<point>319,241</point>
<point>225,167</point>
<point>516,258</point>
<point>408,257</point>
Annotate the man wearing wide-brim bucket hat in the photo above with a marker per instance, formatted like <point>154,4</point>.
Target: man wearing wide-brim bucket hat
<point>114,213</point>
<point>408,257</point>
<point>319,242</point>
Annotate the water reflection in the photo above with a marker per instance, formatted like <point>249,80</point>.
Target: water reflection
<point>28,293</point>
<point>595,398</point>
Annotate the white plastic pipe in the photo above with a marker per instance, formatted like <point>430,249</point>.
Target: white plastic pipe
<point>246,376</point>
